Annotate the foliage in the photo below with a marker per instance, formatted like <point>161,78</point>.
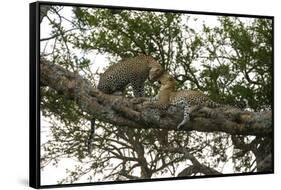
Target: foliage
<point>229,59</point>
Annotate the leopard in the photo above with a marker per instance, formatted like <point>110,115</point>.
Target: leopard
<point>188,100</point>
<point>132,71</point>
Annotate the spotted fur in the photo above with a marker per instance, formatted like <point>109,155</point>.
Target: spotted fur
<point>189,98</point>
<point>132,71</point>
<point>186,99</point>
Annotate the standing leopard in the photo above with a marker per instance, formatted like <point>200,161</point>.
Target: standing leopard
<point>168,95</point>
<point>132,71</point>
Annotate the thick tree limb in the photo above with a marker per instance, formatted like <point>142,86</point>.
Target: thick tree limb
<point>123,111</point>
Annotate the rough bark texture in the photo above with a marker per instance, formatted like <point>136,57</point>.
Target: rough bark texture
<point>123,111</point>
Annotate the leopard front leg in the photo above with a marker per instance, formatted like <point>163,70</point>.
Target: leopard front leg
<point>187,110</point>
<point>138,88</point>
<point>186,116</point>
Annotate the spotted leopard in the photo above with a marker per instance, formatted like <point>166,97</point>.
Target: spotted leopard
<point>168,95</point>
<point>132,71</point>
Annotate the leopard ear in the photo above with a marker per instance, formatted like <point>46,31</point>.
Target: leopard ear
<point>154,73</point>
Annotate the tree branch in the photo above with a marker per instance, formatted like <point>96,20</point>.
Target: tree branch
<point>122,111</point>
<point>196,166</point>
